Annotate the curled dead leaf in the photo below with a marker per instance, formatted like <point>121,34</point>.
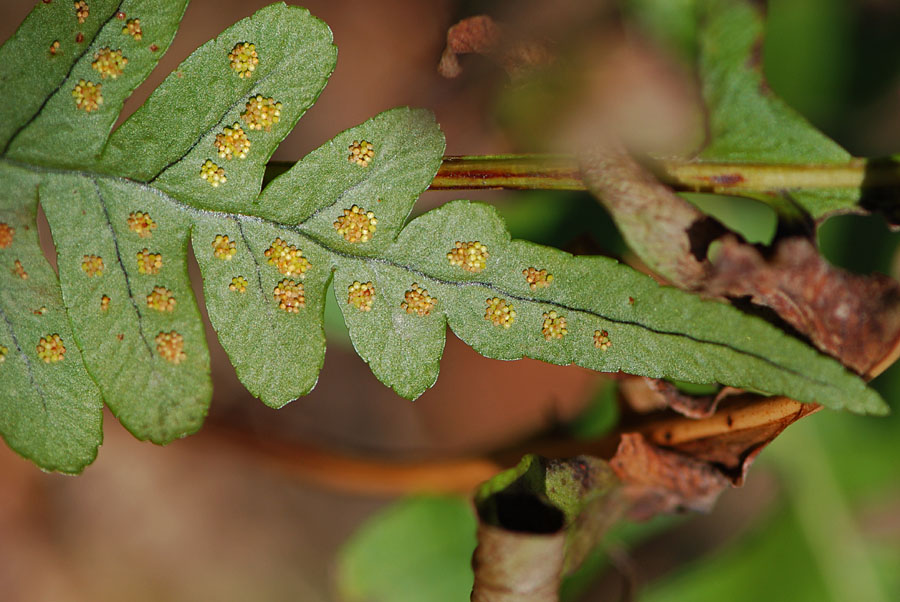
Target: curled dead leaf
<point>482,35</point>
<point>537,522</point>
<point>733,437</point>
<point>658,480</point>
<point>852,317</point>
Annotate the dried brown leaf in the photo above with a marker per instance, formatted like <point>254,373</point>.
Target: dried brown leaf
<point>852,317</point>
<point>733,437</point>
<point>537,522</point>
<point>482,35</point>
<point>669,234</point>
<point>658,480</point>
<point>512,566</point>
<point>645,394</point>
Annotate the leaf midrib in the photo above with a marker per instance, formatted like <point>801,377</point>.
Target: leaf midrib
<point>121,263</point>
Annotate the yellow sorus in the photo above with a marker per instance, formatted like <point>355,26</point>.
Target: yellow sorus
<point>109,63</point>
<point>262,113</point>
<point>141,223</point>
<point>537,278</point>
<point>104,303</point>
<point>149,263</point>
<point>88,96</point>
<point>19,270</point>
<point>499,312</point>
<point>418,301</point>
<point>161,299</point>
<point>170,347</point>
<point>232,142</point>
<point>361,153</point>
<point>238,284</point>
<point>471,256</point>
<point>287,258</point>
<point>554,326</point>
<point>289,295</point>
<point>356,224</point>
<point>601,340</point>
<point>82,11</point>
<point>133,28</point>
<point>360,295</point>
<point>244,59</point>
<point>212,173</point>
<point>51,349</point>
<point>92,265</point>
<point>6,235</point>
<point>223,248</point>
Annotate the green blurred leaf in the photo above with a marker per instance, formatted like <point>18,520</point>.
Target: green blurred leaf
<point>773,563</point>
<point>416,549</point>
<point>755,221</point>
<point>601,414</point>
<point>746,121</point>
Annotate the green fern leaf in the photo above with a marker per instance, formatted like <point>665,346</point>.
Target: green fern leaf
<point>187,168</point>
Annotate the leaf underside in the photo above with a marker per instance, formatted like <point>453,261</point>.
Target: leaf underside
<point>123,208</point>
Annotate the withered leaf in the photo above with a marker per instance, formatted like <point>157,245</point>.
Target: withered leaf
<point>645,394</point>
<point>852,317</point>
<point>669,234</point>
<point>537,522</point>
<point>658,480</point>
<point>482,35</point>
<point>733,437</point>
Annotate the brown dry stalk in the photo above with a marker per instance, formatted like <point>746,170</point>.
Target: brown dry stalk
<point>760,412</point>
<point>383,477</point>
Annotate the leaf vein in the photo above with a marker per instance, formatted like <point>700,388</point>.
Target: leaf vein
<point>218,124</point>
<point>115,239</point>
<point>26,359</point>
<point>259,283</point>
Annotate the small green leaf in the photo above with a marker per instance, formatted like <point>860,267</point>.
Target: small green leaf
<point>174,133</point>
<point>277,353</point>
<point>50,410</point>
<point>419,548</point>
<point>146,349</point>
<point>408,148</point>
<point>56,132</point>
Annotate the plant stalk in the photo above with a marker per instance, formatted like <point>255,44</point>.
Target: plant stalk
<point>562,172</point>
<point>554,172</point>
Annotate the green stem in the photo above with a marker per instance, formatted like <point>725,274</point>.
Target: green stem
<point>561,172</point>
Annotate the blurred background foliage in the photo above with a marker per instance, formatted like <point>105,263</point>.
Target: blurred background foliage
<point>819,518</point>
